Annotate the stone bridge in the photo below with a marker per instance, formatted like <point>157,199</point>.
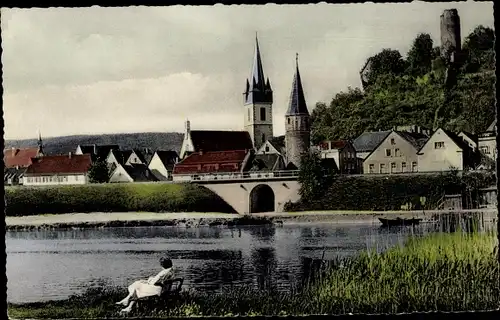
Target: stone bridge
<point>253,193</point>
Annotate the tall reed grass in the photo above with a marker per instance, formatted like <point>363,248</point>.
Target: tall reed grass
<point>438,272</point>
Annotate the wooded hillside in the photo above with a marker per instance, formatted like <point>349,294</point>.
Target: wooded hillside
<point>411,90</point>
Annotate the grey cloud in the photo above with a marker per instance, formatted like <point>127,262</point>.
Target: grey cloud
<point>77,48</point>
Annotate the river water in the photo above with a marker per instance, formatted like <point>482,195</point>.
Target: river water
<point>49,265</point>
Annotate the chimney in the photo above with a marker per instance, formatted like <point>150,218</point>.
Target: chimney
<point>13,151</point>
<point>188,129</point>
<point>69,155</point>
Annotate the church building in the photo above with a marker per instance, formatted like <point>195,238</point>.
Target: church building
<point>204,149</point>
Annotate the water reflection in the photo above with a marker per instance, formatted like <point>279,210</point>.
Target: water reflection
<point>44,265</point>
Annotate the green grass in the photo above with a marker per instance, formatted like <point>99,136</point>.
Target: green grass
<point>150,197</point>
<point>440,272</point>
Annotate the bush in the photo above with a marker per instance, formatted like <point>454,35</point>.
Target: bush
<point>380,193</point>
<point>152,197</point>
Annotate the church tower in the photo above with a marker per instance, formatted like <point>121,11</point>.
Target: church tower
<point>40,144</point>
<point>258,98</point>
<point>297,123</point>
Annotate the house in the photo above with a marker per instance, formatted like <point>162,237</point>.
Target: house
<point>13,176</point>
<point>133,172</point>
<point>487,141</point>
<point>125,157</point>
<point>396,153</point>
<point>367,142</point>
<point>58,170</point>
<point>214,162</point>
<point>445,151</point>
<point>343,153</point>
<point>162,164</point>
<point>268,162</point>
<point>97,152</point>
<point>211,141</point>
<point>276,145</point>
<point>20,158</point>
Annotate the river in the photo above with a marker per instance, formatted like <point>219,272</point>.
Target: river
<point>50,265</point>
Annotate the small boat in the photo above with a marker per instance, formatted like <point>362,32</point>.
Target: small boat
<point>399,222</point>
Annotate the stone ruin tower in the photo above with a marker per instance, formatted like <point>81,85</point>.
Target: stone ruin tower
<point>451,43</point>
<point>297,123</point>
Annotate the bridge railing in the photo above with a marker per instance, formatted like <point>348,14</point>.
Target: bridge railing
<point>236,175</point>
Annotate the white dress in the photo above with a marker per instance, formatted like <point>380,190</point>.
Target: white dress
<point>147,288</point>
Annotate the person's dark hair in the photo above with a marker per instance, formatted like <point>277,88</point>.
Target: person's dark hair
<point>166,263</point>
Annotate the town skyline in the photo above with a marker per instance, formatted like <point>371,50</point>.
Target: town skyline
<point>99,75</point>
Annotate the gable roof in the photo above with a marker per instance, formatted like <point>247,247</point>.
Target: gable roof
<point>464,146</point>
<point>469,135</point>
<point>264,162</point>
<point>492,126</point>
<point>98,152</point>
<point>15,157</point>
<point>121,155</point>
<point>167,157</point>
<point>60,164</point>
<point>278,143</point>
<point>417,140</point>
<point>368,141</point>
<point>139,172</point>
<point>209,141</point>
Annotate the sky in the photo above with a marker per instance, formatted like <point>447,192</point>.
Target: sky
<point>95,70</point>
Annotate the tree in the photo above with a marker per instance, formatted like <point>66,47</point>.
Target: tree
<point>421,55</point>
<point>313,178</point>
<point>387,61</point>
<point>479,50</point>
<point>99,172</point>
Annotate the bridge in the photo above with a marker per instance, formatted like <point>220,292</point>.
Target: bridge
<point>250,192</point>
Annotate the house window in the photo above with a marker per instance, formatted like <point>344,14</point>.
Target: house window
<point>288,120</point>
<point>393,167</point>
<point>393,142</point>
<point>371,168</point>
<point>262,114</point>
<point>76,178</point>
<point>414,167</point>
<point>439,145</point>
<point>263,138</point>
<point>382,168</point>
<point>267,148</point>
<point>397,153</point>
<point>387,152</point>
<point>485,149</point>
<point>403,166</point>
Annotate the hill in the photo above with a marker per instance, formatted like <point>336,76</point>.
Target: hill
<point>422,88</point>
<point>65,144</point>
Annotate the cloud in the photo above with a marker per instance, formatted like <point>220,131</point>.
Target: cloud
<point>147,68</point>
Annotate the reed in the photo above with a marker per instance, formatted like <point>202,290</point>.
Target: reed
<point>438,272</point>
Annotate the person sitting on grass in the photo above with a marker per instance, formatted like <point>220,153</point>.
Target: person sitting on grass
<point>147,288</point>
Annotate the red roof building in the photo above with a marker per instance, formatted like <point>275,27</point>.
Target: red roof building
<point>212,162</point>
<point>20,158</point>
<point>61,169</point>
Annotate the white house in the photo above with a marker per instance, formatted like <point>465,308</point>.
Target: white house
<point>487,142</point>
<point>162,164</point>
<point>58,170</point>
<point>446,151</point>
<point>131,173</point>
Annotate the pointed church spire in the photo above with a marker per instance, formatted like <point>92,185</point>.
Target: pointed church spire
<point>40,143</point>
<point>258,91</point>
<point>297,100</point>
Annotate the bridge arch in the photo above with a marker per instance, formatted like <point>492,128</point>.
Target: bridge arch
<point>262,199</point>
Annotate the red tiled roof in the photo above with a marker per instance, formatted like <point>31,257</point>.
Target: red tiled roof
<point>60,164</point>
<point>220,140</point>
<point>218,161</point>
<point>19,157</point>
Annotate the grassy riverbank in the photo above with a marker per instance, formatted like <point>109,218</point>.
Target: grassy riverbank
<point>152,197</point>
<point>445,272</point>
